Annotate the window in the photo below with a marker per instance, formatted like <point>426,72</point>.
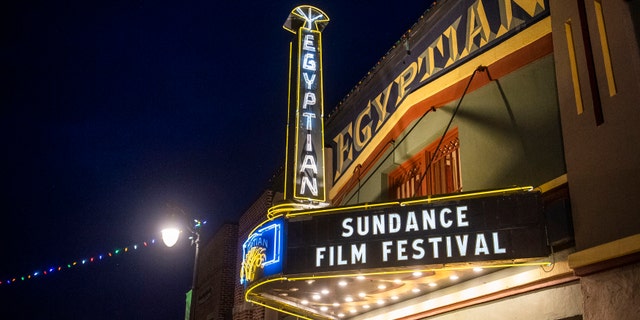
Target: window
<point>442,176</point>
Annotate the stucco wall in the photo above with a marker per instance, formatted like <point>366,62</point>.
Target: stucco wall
<point>613,294</point>
<point>602,159</point>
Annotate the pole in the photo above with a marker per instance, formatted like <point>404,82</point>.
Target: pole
<point>196,241</point>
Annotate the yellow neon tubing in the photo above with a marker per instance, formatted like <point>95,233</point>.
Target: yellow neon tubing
<point>410,202</point>
<point>466,195</point>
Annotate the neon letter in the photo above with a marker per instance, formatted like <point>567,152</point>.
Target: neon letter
<point>309,116</point>
<point>309,81</point>
<point>309,163</point>
<point>307,44</point>
<point>309,100</point>
<point>308,62</point>
<point>313,185</point>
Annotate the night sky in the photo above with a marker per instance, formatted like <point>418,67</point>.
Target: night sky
<point>113,111</point>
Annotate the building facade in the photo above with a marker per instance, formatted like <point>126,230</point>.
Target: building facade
<point>490,158</point>
<point>249,220</point>
<point>215,280</point>
<point>597,70</point>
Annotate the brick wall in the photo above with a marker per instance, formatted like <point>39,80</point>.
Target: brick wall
<point>256,214</point>
<point>215,281</point>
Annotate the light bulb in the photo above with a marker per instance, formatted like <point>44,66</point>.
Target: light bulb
<point>170,236</point>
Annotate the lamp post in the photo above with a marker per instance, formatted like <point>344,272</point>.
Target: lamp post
<point>170,236</point>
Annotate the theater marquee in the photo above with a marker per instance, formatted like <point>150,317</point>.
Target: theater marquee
<point>329,247</point>
<point>495,228</point>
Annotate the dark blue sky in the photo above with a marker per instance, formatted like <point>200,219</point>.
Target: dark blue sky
<point>113,110</point>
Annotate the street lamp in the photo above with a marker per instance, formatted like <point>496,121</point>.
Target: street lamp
<point>171,234</point>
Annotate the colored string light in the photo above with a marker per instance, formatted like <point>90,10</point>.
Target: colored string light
<point>47,271</point>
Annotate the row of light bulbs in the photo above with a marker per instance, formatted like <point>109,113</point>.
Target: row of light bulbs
<point>379,302</point>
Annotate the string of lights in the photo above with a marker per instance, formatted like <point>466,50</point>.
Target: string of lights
<point>42,272</point>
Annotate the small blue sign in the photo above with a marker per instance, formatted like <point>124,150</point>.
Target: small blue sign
<point>262,252</point>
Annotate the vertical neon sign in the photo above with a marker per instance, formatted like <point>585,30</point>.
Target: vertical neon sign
<point>305,140</point>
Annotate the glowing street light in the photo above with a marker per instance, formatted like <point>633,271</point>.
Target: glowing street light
<point>170,236</point>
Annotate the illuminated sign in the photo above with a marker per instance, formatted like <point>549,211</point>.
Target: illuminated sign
<point>262,252</point>
<point>450,37</point>
<point>496,228</point>
<point>307,150</point>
